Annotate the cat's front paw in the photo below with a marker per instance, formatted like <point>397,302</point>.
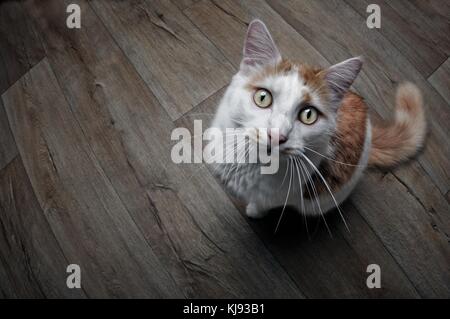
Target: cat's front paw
<point>253,211</point>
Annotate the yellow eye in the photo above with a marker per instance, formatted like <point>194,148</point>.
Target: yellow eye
<point>262,98</point>
<point>308,115</point>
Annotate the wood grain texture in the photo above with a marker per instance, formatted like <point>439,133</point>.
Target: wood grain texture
<point>20,50</point>
<point>183,4</point>
<point>337,44</point>
<point>8,149</point>
<point>429,17</point>
<point>379,80</point>
<point>20,47</point>
<point>413,177</point>
<point>186,218</point>
<point>184,69</point>
<point>236,20</point>
<point>90,223</point>
<point>91,180</point>
<point>32,265</point>
<point>402,30</point>
<point>4,81</point>
<point>310,261</point>
<point>440,80</point>
<point>227,31</point>
<point>407,232</point>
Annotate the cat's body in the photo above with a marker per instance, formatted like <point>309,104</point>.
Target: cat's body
<point>323,131</point>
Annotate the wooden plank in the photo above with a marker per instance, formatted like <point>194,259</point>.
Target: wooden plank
<point>429,17</point>
<point>185,216</point>
<point>227,31</point>
<point>403,225</point>
<point>236,17</point>
<point>4,82</point>
<point>294,46</point>
<point>424,194</point>
<point>433,160</point>
<point>310,262</point>
<point>230,14</point>
<point>440,80</point>
<point>20,47</point>
<point>8,149</point>
<point>183,4</point>
<point>414,178</point>
<point>32,262</point>
<point>90,223</point>
<point>378,83</point>
<point>403,30</point>
<point>177,62</point>
<point>20,50</point>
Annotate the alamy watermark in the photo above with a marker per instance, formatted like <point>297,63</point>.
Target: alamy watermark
<point>232,145</point>
<point>374,18</point>
<point>74,279</point>
<point>73,20</point>
<point>374,279</point>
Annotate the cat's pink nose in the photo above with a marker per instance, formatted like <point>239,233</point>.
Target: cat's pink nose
<point>273,135</point>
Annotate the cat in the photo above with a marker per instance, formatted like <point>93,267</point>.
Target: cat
<point>321,129</point>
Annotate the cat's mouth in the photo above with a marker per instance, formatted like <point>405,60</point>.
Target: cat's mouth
<point>285,151</point>
<point>289,151</point>
<point>260,139</point>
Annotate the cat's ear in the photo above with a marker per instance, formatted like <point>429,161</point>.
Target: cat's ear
<point>340,77</point>
<point>259,47</point>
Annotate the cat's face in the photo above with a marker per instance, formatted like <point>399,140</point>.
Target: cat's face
<point>294,104</point>
<point>291,102</point>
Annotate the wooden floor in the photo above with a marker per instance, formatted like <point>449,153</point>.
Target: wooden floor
<point>86,176</point>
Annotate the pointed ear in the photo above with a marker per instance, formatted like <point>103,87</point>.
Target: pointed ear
<point>340,77</point>
<point>259,47</point>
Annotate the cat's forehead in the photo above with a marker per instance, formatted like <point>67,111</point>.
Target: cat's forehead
<point>292,77</point>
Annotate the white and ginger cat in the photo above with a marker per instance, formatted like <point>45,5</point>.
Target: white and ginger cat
<point>324,133</point>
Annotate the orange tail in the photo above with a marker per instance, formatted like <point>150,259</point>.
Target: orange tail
<point>401,139</point>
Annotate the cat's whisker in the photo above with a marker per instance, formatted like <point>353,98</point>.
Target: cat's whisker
<point>234,166</point>
<point>197,169</point>
<point>241,155</point>
<point>335,136</point>
<point>231,165</point>
<point>329,158</point>
<point>302,204</point>
<point>233,173</point>
<point>235,132</point>
<point>328,188</point>
<point>230,147</point>
<point>287,195</point>
<point>249,149</point>
<point>237,121</point>
<point>316,197</point>
<point>233,145</point>
<point>307,187</point>
<point>285,174</point>
<point>305,182</point>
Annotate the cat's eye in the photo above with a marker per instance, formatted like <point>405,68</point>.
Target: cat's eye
<point>308,115</point>
<point>262,98</point>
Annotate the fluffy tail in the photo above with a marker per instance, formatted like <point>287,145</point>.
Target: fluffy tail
<point>401,139</point>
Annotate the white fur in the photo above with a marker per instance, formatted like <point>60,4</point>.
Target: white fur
<point>246,180</point>
<point>237,109</point>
